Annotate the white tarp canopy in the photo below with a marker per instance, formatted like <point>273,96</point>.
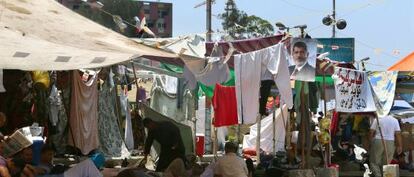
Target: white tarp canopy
<point>44,35</point>
<point>191,45</point>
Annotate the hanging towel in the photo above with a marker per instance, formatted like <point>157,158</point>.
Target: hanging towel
<point>129,137</point>
<point>225,108</point>
<point>84,114</point>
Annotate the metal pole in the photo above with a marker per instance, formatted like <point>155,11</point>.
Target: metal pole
<point>259,127</point>
<point>334,18</point>
<point>208,107</point>
<point>274,127</point>
<point>208,20</point>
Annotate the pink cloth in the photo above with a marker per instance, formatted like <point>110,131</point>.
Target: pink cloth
<point>84,114</point>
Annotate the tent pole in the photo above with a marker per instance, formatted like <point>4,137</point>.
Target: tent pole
<point>135,76</point>
<point>328,147</point>
<point>259,124</point>
<point>67,109</point>
<point>382,140</point>
<point>274,128</point>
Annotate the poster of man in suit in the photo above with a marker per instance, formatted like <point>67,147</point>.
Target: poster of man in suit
<point>303,62</point>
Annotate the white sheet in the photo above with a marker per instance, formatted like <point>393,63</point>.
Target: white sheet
<point>266,132</point>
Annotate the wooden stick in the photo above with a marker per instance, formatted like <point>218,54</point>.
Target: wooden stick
<point>302,126</point>
<point>382,140</point>
<point>259,124</point>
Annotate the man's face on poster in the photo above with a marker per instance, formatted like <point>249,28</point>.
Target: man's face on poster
<point>300,55</point>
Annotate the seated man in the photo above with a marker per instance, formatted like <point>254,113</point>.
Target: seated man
<point>87,168</point>
<point>230,165</point>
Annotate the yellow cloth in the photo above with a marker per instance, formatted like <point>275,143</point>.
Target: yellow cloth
<point>357,121</point>
<point>42,78</point>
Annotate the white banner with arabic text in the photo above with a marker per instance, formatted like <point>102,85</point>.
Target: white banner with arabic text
<point>352,91</point>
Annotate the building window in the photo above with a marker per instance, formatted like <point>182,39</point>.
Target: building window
<point>147,8</point>
<point>161,25</point>
<point>162,13</point>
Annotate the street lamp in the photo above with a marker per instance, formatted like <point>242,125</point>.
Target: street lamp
<point>362,61</point>
<point>283,27</point>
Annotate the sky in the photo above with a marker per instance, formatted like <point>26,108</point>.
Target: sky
<point>383,29</point>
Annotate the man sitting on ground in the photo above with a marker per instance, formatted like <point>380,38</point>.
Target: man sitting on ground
<point>230,165</point>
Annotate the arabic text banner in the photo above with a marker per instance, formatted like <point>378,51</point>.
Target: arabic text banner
<point>352,91</point>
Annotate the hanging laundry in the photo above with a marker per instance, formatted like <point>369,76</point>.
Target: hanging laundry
<point>2,89</point>
<point>55,104</point>
<point>171,84</point>
<point>189,78</point>
<point>201,116</point>
<point>383,84</point>
<point>129,137</point>
<point>271,62</point>
<point>214,72</point>
<point>167,104</point>
<point>59,134</point>
<point>109,135</point>
<point>84,114</point>
<point>225,106</point>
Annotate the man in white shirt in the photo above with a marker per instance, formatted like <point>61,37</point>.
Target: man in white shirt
<point>230,165</point>
<point>391,132</point>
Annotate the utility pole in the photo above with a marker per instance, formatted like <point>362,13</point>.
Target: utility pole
<point>333,16</point>
<point>208,20</point>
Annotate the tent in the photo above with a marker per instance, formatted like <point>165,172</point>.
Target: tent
<point>45,35</point>
<point>405,64</point>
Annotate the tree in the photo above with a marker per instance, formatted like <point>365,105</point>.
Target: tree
<point>239,25</point>
<point>257,27</point>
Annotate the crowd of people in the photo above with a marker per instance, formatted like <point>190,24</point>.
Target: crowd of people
<point>173,162</point>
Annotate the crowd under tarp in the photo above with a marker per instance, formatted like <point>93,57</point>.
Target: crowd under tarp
<point>45,35</point>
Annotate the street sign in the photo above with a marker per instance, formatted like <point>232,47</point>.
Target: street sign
<point>340,49</point>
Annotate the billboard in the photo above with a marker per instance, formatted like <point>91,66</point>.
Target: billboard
<point>340,49</point>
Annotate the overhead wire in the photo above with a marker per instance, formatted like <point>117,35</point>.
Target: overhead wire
<point>351,11</point>
<point>299,6</point>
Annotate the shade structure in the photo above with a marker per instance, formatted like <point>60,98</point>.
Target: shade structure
<point>405,64</point>
<point>44,35</point>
